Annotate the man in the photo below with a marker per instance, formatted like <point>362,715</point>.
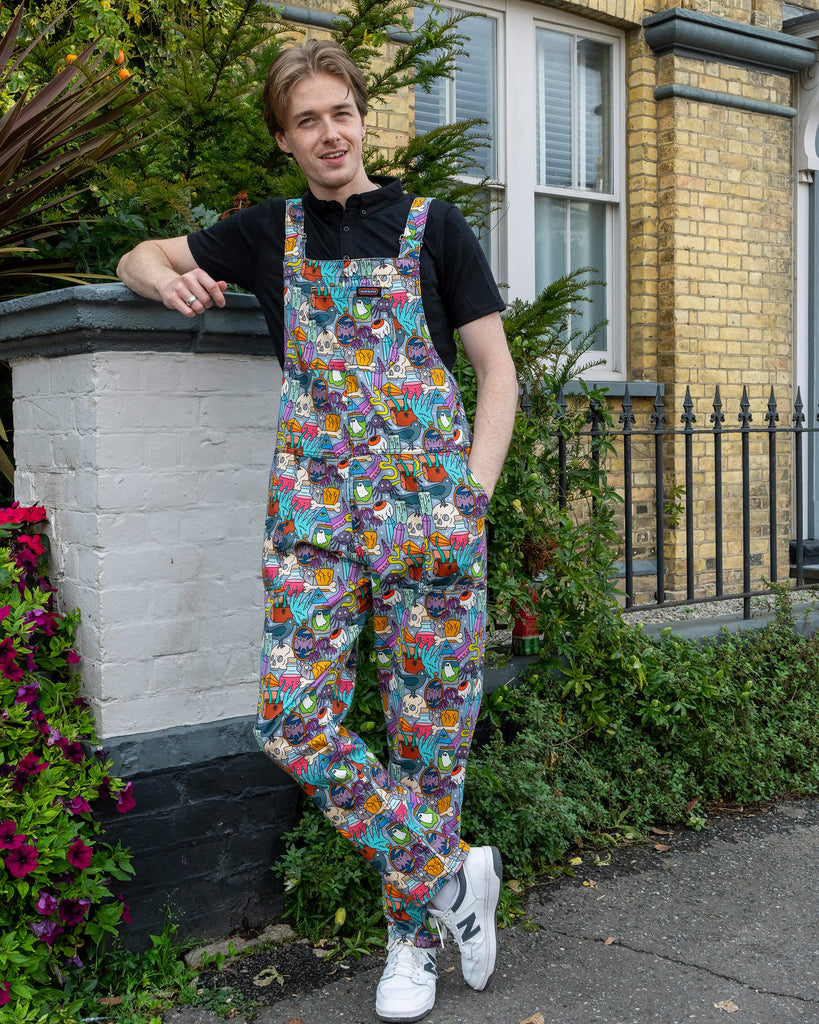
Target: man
<point>377,500</point>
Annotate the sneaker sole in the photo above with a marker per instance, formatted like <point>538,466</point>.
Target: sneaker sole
<point>494,874</point>
<point>403,1018</point>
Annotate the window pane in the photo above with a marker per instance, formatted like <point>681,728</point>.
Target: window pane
<point>475,88</point>
<point>570,234</point>
<point>594,87</point>
<point>554,108</point>
<point>472,93</point>
<point>573,111</point>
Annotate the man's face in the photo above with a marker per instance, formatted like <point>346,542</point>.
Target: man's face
<point>325,135</point>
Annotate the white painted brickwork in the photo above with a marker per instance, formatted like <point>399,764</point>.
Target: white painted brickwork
<point>153,470</point>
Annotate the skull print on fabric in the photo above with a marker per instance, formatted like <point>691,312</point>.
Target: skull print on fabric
<point>373,511</point>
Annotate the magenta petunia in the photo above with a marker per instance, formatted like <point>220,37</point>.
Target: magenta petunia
<point>126,910</point>
<point>125,800</point>
<point>72,751</point>
<point>8,664</point>
<point>21,860</point>
<point>46,930</point>
<point>104,788</point>
<point>38,719</point>
<point>77,805</point>
<point>72,657</point>
<point>79,854</point>
<point>73,911</point>
<point>27,694</point>
<point>46,904</point>
<point>4,611</point>
<point>9,840</point>
<point>5,992</point>
<point>26,767</point>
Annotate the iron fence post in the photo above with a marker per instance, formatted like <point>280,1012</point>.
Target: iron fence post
<point>627,419</point>
<point>658,419</point>
<point>745,418</point>
<point>688,419</point>
<point>772,417</point>
<point>718,418</point>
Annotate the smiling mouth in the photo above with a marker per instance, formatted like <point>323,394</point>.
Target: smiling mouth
<point>334,156</point>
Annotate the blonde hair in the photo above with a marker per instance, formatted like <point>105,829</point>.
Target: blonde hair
<point>315,57</point>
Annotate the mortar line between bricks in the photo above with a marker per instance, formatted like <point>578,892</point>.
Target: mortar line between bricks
<point>686,963</point>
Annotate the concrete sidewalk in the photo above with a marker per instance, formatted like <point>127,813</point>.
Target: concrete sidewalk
<point>720,926</point>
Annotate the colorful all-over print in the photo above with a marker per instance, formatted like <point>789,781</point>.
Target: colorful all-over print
<point>373,511</point>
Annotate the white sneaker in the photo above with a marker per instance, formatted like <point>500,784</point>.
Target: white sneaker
<point>472,918</point>
<point>406,991</point>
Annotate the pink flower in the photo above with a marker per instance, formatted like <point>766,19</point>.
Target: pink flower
<point>15,514</point>
<point>33,542</point>
<point>125,800</point>
<point>5,992</point>
<point>79,854</point>
<point>126,910</point>
<point>4,611</point>
<point>72,657</point>
<point>22,860</point>
<point>46,904</point>
<point>73,911</point>
<point>104,788</point>
<point>9,840</point>
<point>39,719</point>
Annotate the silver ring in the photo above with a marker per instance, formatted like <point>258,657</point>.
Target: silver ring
<point>190,300</point>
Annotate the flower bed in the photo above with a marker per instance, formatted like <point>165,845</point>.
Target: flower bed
<point>58,901</point>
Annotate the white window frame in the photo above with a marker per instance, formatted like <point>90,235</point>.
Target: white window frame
<point>513,222</point>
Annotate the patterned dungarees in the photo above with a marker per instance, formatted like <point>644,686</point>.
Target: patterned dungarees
<point>372,510</point>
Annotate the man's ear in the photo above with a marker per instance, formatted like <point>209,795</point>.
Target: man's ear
<point>281,140</point>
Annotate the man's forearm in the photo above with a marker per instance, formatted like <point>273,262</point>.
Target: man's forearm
<point>145,269</point>
<point>494,423</point>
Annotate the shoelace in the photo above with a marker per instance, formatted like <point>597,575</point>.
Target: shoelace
<point>402,959</point>
<point>444,933</point>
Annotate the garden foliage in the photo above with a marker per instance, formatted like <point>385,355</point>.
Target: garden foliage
<point>59,900</point>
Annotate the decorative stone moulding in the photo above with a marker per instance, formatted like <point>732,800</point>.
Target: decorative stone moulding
<point>692,34</point>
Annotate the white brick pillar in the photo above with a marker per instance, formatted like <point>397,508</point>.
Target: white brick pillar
<point>148,438</point>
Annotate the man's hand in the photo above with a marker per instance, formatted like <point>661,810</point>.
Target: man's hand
<point>164,269</point>
<point>178,291</point>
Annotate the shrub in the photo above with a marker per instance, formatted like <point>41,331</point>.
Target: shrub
<point>58,902</point>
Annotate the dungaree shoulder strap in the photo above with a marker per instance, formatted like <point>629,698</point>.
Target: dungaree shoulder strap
<point>413,236</point>
<point>294,230</point>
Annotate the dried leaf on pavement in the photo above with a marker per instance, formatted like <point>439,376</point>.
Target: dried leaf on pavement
<point>267,977</point>
<point>728,1005</point>
<point>661,848</point>
<point>536,1018</point>
<point>610,940</point>
<point>659,831</point>
<point>109,1001</point>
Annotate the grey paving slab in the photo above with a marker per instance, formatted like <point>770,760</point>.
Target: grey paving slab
<point>728,918</point>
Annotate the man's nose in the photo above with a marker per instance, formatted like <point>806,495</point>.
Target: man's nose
<point>329,128</point>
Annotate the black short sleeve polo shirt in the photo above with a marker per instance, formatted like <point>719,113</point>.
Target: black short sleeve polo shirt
<point>456,283</point>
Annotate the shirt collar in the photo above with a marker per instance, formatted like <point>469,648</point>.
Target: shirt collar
<point>389,191</point>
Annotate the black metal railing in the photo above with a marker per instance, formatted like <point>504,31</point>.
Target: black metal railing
<point>785,486</point>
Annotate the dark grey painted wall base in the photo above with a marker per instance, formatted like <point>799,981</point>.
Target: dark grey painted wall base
<point>203,838</point>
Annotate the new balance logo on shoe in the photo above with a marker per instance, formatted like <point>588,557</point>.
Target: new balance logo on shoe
<point>468,928</point>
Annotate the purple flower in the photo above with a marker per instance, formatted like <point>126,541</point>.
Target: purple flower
<point>53,736</point>
<point>74,961</point>
<point>9,840</point>
<point>77,805</point>
<point>46,904</point>
<point>39,719</point>
<point>104,788</point>
<point>46,930</point>
<point>21,860</point>
<point>4,611</point>
<point>73,911</point>
<point>27,694</point>
<point>72,658</point>
<point>125,800</point>
<point>5,992</point>
<point>79,854</point>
